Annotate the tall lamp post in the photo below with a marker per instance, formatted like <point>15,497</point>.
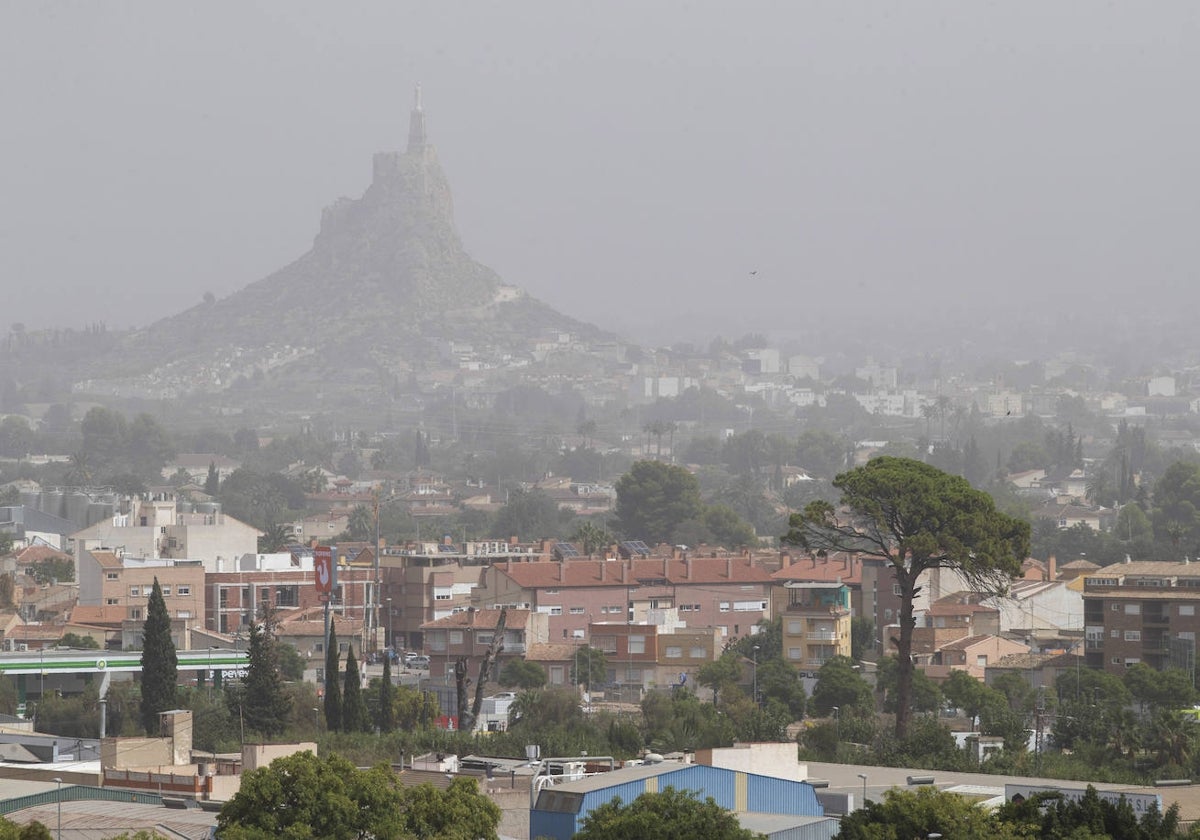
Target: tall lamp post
<point>837,722</point>
<point>754,659</point>
<point>863,776</point>
<point>58,781</point>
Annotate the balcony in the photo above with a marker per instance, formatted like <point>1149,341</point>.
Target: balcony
<point>821,636</point>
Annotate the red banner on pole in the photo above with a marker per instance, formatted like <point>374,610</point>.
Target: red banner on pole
<point>323,568</point>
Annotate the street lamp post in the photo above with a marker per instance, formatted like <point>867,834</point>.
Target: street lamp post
<point>754,659</point>
<point>837,722</point>
<point>863,776</point>
<point>387,631</point>
<point>58,781</point>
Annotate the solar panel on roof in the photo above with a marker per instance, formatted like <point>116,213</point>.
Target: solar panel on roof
<point>564,550</point>
<point>448,549</point>
<point>636,547</point>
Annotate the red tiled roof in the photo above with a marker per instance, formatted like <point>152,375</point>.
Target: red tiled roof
<point>100,615</point>
<point>834,568</point>
<point>578,573</point>
<point>106,559</point>
<point>554,652</point>
<point>38,553</point>
<point>966,642</point>
<point>483,619</point>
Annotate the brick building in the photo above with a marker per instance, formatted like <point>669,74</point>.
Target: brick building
<point>1141,612</point>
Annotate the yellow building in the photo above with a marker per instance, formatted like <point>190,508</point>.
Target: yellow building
<point>816,621</point>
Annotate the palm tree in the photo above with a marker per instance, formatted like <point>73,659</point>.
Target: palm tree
<point>276,538</point>
<point>80,472</point>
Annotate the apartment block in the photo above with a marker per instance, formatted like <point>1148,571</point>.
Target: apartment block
<point>816,621</point>
<point>1141,612</point>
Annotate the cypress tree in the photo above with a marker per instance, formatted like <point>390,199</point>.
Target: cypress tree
<point>212,483</point>
<point>266,707</point>
<point>354,705</point>
<point>387,698</point>
<point>333,692</point>
<point>159,662</point>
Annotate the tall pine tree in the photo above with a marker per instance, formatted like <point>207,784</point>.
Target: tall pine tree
<point>333,692</point>
<point>159,662</point>
<point>387,698</point>
<point>354,706</point>
<point>265,705</point>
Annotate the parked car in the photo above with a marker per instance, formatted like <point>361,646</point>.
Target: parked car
<point>418,663</point>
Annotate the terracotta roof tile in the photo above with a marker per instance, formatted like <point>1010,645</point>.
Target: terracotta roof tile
<point>591,573</point>
<point>480,619</point>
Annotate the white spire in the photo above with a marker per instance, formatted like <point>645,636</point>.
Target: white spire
<point>417,98</point>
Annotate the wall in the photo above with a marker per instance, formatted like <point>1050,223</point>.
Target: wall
<point>774,759</point>
<point>255,756</point>
<point>135,752</point>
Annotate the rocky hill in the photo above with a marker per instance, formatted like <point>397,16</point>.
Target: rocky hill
<point>386,286</point>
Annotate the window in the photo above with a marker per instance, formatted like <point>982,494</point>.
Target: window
<point>484,638</point>
<point>795,654</point>
<point>576,610</point>
<point>112,576</point>
<point>135,592</point>
<point>1133,609</point>
<point>223,598</point>
<point>1116,660</point>
<point>896,589</point>
<point>981,660</point>
<point>436,642</point>
<point>456,637</point>
<point>674,652</point>
<point>166,590</point>
<point>661,603</point>
<point>1130,661</point>
<point>183,591</point>
<point>749,606</point>
<point>1133,635</point>
<point>724,606</point>
<point>556,611</point>
<point>637,644</point>
<point>245,595</point>
<point>577,634</point>
<point>1187,609</point>
<point>183,614</point>
<point>1116,607</point>
<point>551,592</point>
<point>795,628</point>
<point>698,653</point>
<point>1116,634</point>
<point>608,644</point>
<point>441,596</point>
<point>136,613</point>
<point>685,607</point>
<point>112,602</point>
<point>287,596</point>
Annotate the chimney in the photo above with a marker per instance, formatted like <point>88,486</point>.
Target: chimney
<point>729,568</point>
<point>561,569</point>
<point>603,570</point>
<point>1052,567</point>
<point>785,560</point>
<point>666,565</point>
<point>624,568</point>
<point>687,567</point>
<point>508,564</point>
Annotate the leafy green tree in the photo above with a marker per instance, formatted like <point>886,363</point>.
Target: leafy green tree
<point>291,664</point>
<point>721,674</point>
<point>276,538</point>
<point>965,692</point>
<point>667,815</point>
<point>333,691</point>
<point>862,636</point>
<point>30,831</point>
<point>1177,507</point>
<point>727,528</point>
<point>264,704</point>
<point>354,705</point>
<point>385,717</point>
<point>1170,688</point>
<point>74,640</point>
<point>543,708</point>
<point>530,514</point>
<point>1053,817</point>
<point>520,673</point>
<point>415,709</point>
<point>915,518</point>
<point>159,662</point>
<point>821,453</point>
<point>839,684</point>
<point>779,682</point>
<point>589,667</point>
<point>212,481</point>
<point>653,498</point>
<point>926,696</point>
<point>61,569</point>
<point>301,796</point>
<point>905,814</point>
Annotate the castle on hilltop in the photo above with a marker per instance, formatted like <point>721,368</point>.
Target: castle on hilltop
<point>388,165</point>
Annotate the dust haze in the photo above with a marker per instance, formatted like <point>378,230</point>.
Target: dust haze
<point>871,172</point>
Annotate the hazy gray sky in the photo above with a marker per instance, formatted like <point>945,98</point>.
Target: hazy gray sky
<point>628,162</point>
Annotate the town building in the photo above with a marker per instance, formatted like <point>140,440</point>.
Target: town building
<point>815,621</point>
<point>1144,612</point>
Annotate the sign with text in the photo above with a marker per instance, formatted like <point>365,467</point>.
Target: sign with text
<point>1140,802</point>
<point>323,568</point>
